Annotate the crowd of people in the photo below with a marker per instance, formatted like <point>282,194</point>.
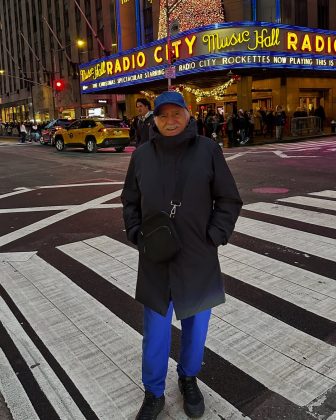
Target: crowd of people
<point>26,130</point>
<point>239,126</point>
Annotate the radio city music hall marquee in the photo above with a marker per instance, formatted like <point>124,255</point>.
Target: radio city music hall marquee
<point>214,48</point>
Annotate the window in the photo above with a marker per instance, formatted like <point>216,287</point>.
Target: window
<point>87,124</point>
<point>323,14</point>
<point>301,13</point>
<point>266,10</point>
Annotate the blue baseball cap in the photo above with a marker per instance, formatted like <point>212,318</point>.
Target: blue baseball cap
<point>169,97</point>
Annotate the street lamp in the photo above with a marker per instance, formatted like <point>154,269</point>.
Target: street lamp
<point>80,44</point>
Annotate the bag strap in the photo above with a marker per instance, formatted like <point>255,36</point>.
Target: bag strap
<point>182,176</point>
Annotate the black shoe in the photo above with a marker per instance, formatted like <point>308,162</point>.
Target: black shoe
<point>151,407</point>
<point>192,396</point>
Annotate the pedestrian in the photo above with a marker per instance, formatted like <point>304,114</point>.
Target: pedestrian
<point>181,174</point>
<point>230,130</point>
<point>319,112</point>
<point>23,133</point>
<point>144,122</point>
<point>280,121</point>
<point>200,124</point>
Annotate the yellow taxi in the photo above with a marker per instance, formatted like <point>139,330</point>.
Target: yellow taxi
<point>92,134</point>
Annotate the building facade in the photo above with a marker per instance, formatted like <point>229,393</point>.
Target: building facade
<point>39,45</point>
<point>227,54</point>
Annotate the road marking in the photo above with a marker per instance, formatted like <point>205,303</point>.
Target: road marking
<point>311,202</point>
<point>293,213</point>
<point>56,208</point>
<point>27,230</point>
<point>326,193</point>
<point>284,156</point>
<point>44,375</point>
<point>82,185</point>
<point>310,291</point>
<point>99,352</point>
<point>236,156</point>
<point>320,246</point>
<point>285,360</point>
<point>16,399</point>
<point>19,191</point>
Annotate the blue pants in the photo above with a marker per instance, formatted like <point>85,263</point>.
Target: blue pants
<point>156,347</point>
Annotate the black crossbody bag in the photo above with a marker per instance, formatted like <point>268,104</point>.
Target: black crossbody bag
<point>158,240</point>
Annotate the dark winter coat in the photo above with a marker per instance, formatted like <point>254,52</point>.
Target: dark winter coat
<point>142,130</point>
<point>280,118</point>
<point>206,219</point>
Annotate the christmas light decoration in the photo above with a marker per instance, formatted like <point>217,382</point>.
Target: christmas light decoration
<point>217,92</point>
<point>190,14</point>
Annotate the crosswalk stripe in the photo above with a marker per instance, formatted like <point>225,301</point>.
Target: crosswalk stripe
<point>285,360</point>
<point>100,353</point>
<point>55,208</point>
<point>293,213</point>
<point>310,291</point>
<point>326,193</point>
<point>13,392</point>
<point>310,243</point>
<point>44,375</point>
<point>311,202</point>
<point>27,230</point>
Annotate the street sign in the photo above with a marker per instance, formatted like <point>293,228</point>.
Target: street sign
<point>170,72</point>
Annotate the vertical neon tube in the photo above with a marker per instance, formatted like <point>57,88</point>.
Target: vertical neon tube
<point>254,9</point>
<point>138,22</point>
<point>117,3</point>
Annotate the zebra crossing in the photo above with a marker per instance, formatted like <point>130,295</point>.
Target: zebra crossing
<point>84,355</point>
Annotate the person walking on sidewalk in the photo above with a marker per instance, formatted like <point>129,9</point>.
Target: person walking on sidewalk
<point>177,182</point>
<point>23,133</point>
<point>280,121</point>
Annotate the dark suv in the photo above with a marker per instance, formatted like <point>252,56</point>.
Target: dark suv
<point>48,132</point>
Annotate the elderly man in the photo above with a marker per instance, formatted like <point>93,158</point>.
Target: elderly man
<point>144,121</point>
<point>177,178</point>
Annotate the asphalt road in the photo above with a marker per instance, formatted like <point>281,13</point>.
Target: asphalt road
<point>71,329</point>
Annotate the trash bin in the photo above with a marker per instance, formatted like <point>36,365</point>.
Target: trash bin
<point>333,126</point>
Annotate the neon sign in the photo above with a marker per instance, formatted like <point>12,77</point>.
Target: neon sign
<point>214,48</point>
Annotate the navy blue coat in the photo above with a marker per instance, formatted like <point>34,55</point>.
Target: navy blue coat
<point>206,219</point>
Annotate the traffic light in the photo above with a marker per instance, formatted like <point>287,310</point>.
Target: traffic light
<point>172,55</point>
<point>59,85</point>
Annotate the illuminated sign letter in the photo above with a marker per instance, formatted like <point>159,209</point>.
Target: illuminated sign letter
<point>292,41</point>
<point>319,43</point>
<point>190,43</point>
<point>141,59</point>
<point>156,52</point>
<point>117,67</point>
<point>306,44</point>
<point>109,66</point>
<point>176,45</point>
<point>126,63</point>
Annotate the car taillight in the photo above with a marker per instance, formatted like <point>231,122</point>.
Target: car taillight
<point>102,130</point>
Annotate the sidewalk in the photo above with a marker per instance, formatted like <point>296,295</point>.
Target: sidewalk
<point>261,140</point>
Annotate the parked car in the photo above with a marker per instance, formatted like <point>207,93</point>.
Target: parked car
<point>48,132</point>
<point>94,133</point>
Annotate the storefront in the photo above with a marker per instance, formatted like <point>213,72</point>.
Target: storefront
<point>244,65</point>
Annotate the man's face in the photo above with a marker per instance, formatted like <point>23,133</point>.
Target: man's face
<point>142,109</point>
<point>172,120</point>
